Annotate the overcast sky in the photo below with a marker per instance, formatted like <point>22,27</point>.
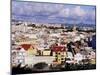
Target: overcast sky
<point>53,13</point>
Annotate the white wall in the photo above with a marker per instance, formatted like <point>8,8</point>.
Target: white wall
<point>5,37</point>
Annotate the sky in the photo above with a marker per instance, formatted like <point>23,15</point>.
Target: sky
<point>53,12</point>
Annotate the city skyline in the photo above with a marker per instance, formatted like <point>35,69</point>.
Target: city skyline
<point>53,12</point>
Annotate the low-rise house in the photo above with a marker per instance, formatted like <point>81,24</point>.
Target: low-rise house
<point>23,52</point>
<point>78,58</point>
<point>60,53</point>
<point>13,58</point>
<point>31,50</point>
<point>18,56</point>
<point>46,52</point>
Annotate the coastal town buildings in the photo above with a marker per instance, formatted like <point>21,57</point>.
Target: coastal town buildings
<point>50,43</point>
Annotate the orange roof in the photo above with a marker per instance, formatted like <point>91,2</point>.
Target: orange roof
<point>59,48</point>
<point>26,46</point>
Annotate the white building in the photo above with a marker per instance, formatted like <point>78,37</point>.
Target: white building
<point>19,56</point>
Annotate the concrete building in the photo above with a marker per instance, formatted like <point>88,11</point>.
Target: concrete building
<point>60,53</point>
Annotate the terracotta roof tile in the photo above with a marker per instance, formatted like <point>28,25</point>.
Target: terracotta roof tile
<point>26,46</point>
<point>59,48</point>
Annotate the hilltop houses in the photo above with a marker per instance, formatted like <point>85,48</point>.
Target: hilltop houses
<point>50,43</point>
<point>21,53</point>
<point>30,49</point>
<point>60,53</point>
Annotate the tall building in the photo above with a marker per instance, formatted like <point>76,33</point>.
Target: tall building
<point>24,27</point>
<point>74,28</point>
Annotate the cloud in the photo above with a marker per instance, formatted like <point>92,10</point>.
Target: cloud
<point>93,15</point>
<point>64,12</point>
<point>78,11</point>
<point>70,12</point>
<point>51,12</point>
<point>34,8</point>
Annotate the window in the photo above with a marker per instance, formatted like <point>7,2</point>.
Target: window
<point>20,53</point>
<point>20,61</point>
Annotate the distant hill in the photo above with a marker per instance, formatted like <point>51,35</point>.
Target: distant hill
<point>67,24</point>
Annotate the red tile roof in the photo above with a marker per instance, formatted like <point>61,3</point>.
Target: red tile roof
<point>58,48</point>
<point>26,46</point>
